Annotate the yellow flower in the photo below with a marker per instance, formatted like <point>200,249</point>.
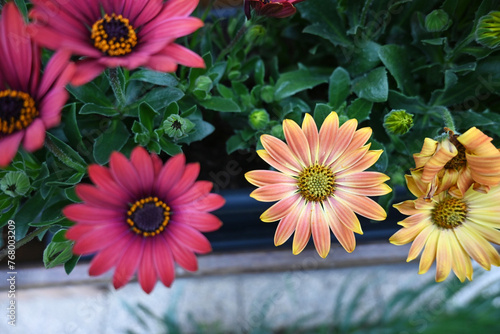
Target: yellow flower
<point>458,162</point>
<point>451,229</point>
<point>319,183</point>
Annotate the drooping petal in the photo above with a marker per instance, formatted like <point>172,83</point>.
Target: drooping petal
<point>320,230</point>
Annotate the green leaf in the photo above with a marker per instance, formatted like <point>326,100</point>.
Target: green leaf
<point>90,93</point>
<point>325,21</point>
<point>201,130</point>
<point>373,86</point>
<point>235,143</point>
<point>9,214</point>
<point>293,82</point>
<point>363,58</point>
<point>360,109</point>
<point>465,119</point>
<point>21,4</point>
<point>57,253</point>
<point>30,210</point>
<point>71,128</point>
<point>147,116</point>
<point>383,161</point>
<point>221,104</point>
<point>158,98</point>
<point>260,72</point>
<point>170,148</point>
<point>71,264</point>
<point>321,111</point>
<point>225,92</point>
<point>413,105</point>
<point>396,59</point>
<point>65,153</point>
<point>60,236</point>
<point>339,87</point>
<point>74,179</point>
<point>216,71</point>
<point>154,77</point>
<point>112,140</point>
<point>91,108</point>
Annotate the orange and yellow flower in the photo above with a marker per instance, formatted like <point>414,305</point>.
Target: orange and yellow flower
<point>450,229</point>
<point>458,162</point>
<point>320,182</point>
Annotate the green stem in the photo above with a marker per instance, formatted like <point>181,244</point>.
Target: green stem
<point>25,240</point>
<point>52,147</point>
<point>114,80</point>
<point>235,40</point>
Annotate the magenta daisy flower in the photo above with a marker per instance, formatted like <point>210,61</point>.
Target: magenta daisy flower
<point>142,216</point>
<point>29,103</point>
<point>112,33</point>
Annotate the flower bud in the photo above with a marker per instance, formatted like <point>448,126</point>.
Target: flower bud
<point>437,20</point>
<point>277,131</point>
<point>258,119</point>
<point>15,184</point>
<point>488,30</point>
<point>398,122</point>
<point>177,127</point>
<point>255,34</point>
<point>267,94</point>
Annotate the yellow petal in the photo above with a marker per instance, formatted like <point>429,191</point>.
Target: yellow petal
<point>444,154</point>
<point>429,253</point>
<point>408,234</point>
<point>470,241</point>
<point>419,242</point>
<point>475,141</point>
<point>443,256</point>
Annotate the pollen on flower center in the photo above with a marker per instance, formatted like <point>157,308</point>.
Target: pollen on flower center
<point>449,213</point>
<point>316,183</point>
<point>114,35</point>
<point>148,216</point>
<point>17,111</point>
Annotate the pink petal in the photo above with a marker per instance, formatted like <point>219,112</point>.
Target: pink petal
<point>34,136</point>
<point>328,136</point>
<point>297,141</point>
<point>93,196</point>
<point>182,255</point>
<point>51,106</point>
<point>363,205</point>
<point>53,70</point>
<point>129,262</point>
<point>88,214</point>
<point>124,173</point>
<point>280,152</point>
<point>343,139</point>
<point>161,64</point>
<point>311,131</point>
<point>182,55</point>
<point>9,146</point>
<point>189,237</point>
<point>303,229</point>
<point>108,257</point>
<point>102,177</point>
<point>346,216</point>
<point>343,234</point>
<point>274,192</point>
<point>174,28</point>
<point>261,178</point>
<point>202,221</point>
<point>177,8</point>
<point>164,261</point>
<point>170,174</point>
<point>99,238</point>
<point>210,202</point>
<point>197,190</point>
<point>147,270</point>
<point>142,163</point>
<point>86,71</point>
<point>186,181</point>
<point>146,14</point>
<point>281,209</point>
<point>362,179</point>
<point>274,163</point>
<point>320,230</point>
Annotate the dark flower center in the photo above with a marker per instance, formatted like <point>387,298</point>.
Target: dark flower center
<point>177,125</point>
<point>316,183</point>
<point>148,216</point>
<point>114,35</point>
<point>449,213</point>
<point>12,187</point>
<point>458,160</point>
<point>17,111</point>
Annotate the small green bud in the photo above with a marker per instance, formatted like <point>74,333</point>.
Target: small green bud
<point>277,131</point>
<point>437,20</point>
<point>488,30</point>
<point>203,83</point>
<point>177,127</point>
<point>398,122</point>
<point>267,94</point>
<point>255,34</point>
<point>258,119</point>
<point>142,139</point>
<point>15,184</point>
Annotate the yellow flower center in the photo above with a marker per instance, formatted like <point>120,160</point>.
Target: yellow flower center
<point>316,183</point>
<point>113,35</point>
<point>148,216</point>
<point>17,111</point>
<point>449,213</point>
<point>458,160</point>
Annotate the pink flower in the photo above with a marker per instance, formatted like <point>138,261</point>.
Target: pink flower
<point>143,216</point>
<point>273,8</point>
<point>112,33</point>
<point>29,103</point>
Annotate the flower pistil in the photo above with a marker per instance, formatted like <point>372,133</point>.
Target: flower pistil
<point>114,35</point>
<point>148,216</point>
<point>17,111</point>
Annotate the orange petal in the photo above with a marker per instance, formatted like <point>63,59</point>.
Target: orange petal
<point>261,178</point>
<point>349,159</point>
<point>487,231</point>
<point>363,205</point>
<point>274,192</point>
<point>287,226</point>
<point>428,150</point>
<point>429,253</point>
<point>360,138</point>
<point>280,152</point>
<point>311,131</point>
<point>366,161</point>
<point>281,209</point>
<point>415,219</point>
<point>458,264</point>
<point>362,179</point>
<point>445,153</point>
<point>477,142</point>
<point>320,230</point>
<point>343,234</point>
<point>408,234</point>
<point>381,189</point>
<point>470,241</point>
<point>485,170</point>
<point>297,141</point>
<point>443,256</point>
<point>407,208</point>
<point>336,206</point>
<point>344,138</point>
<point>328,136</point>
<point>419,242</point>
<point>303,230</point>
<point>271,161</point>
